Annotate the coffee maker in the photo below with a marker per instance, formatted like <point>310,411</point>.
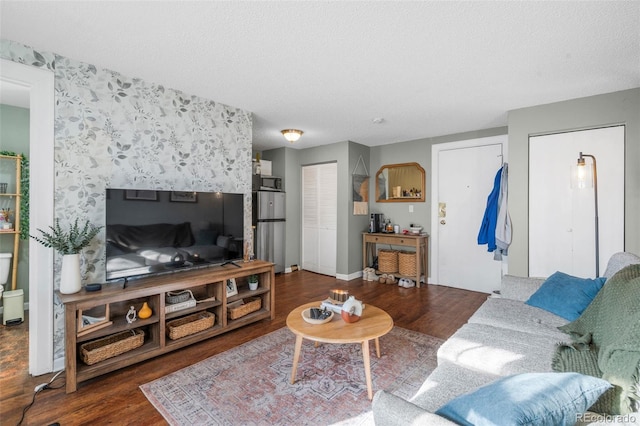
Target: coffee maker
<point>376,222</point>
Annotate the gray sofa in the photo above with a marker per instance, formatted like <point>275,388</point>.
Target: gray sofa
<point>504,337</point>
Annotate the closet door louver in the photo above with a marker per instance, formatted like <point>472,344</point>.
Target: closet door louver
<point>319,227</point>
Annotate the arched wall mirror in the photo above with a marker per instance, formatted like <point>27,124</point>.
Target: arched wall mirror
<point>403,182</point>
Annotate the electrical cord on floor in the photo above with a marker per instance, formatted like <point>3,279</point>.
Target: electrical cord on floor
<point>39,388</point>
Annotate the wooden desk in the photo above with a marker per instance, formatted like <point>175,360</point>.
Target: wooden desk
<point>418,242</point>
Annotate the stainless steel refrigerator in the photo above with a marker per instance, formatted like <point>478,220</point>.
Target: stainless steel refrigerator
<point>269,223</point>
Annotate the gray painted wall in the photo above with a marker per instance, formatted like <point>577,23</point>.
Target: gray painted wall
<point>595,111</point>
<point>418,151</point>
<point>613,108</point>
<point>357,224</point>
<point>288,163</point>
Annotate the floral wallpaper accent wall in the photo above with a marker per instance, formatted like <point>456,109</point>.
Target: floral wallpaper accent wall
<point>116,131</point>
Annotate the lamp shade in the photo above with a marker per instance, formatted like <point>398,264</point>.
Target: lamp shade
<point>292,135</point>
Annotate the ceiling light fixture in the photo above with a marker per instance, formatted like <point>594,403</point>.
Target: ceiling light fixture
<point>292,135</point>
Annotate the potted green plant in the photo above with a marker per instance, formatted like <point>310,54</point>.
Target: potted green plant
<point>253,282</point>
<point>69,244</point>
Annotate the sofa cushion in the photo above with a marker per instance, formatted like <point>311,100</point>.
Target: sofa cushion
<point>205,237</point>
<point>160,254</point>
<point>515,315</point>
<point>389,409</point>
<point>449,381</point>
<point>565,295</point>
<point>530,398</point>
<point>519,288</point>
<point>223,241</point>
<point>498,351</point>
<point>135,237</point>
<point>619,261</point>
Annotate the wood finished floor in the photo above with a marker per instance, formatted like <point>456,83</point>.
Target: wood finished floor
<point>115,397</point>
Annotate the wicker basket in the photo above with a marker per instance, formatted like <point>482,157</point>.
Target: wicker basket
<point>190,324</point>
<point>388,261</point>
<point>173,297</point>
<point>110,346</point>
<point>250,304</point>
<point>407,263</point>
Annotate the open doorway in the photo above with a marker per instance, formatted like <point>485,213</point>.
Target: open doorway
<point>14,139</point>
<point>38,85</point>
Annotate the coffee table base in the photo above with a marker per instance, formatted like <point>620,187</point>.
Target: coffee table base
<point>365,356</point>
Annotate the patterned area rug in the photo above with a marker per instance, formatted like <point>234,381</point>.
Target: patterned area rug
<point>249,384</point>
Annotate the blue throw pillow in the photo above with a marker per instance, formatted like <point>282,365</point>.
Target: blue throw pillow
<point>566,296</point>
<point>527,399</point>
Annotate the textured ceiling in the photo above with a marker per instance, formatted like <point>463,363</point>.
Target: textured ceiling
<point>330,68</point>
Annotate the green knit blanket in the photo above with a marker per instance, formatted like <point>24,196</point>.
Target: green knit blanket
<point>606,342</point>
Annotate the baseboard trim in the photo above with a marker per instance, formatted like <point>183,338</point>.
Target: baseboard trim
<point>58,364</point>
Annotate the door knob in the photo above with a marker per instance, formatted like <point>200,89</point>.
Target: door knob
<point>443,222</point>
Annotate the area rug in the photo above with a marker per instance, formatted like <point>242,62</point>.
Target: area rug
<point>250,384</point>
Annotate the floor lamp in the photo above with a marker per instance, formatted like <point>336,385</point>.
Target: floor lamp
<point>581,176</point>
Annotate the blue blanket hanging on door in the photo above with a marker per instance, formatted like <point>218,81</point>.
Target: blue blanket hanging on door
<point>496,220</point>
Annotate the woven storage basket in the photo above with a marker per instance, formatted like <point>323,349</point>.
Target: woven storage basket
<point>407,263</point>
<point>173,297</point>
<point>251,304</point>
<point>110,346</point>
<point>388,261</point>
<point>190,324</point>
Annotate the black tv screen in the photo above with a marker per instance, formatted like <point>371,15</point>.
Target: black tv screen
<point>151,232</point>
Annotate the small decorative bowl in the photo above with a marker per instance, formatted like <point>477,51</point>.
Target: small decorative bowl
<point>416,229</point>
<point>306,315</point>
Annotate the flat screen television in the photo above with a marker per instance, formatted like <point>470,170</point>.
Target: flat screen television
<point>151,232</point>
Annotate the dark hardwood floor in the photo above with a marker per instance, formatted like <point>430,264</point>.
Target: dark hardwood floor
<point>115,397</point>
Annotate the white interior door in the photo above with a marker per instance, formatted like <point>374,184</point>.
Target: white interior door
<point>561,215</point>
<point>319,218</point>
<point>464,173</point>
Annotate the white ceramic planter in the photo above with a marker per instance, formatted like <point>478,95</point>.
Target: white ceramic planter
<point>70,281</point>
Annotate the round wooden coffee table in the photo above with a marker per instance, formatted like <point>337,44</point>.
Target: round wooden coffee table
<point>374,323</point>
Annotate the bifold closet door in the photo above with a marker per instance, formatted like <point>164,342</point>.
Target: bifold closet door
<point>319,218</point>
<point>561,214</point>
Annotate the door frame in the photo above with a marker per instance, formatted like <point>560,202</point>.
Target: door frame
<point>40,83</point>
<point>435,196</point>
